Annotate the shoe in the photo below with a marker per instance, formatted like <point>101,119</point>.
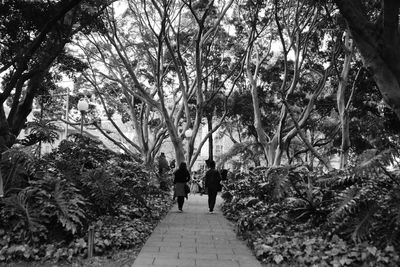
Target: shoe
<point>211,212</point>
<point>180,210</point>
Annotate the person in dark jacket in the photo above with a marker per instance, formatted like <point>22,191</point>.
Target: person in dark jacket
<point>172,164</point>
<point>212,184</point>
<point>181,177</point>
<point>163,166</point>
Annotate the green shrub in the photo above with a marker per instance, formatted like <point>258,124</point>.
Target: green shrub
<point>33,210</point>
<point>358,207</point>
<point>50,202</point>
<point>310,249</point>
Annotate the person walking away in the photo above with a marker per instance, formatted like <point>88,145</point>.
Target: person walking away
<point>212,185</point>
<point>181,177</point>
<point>163,165</point>
<point>172,164</point>
<point>163,168</point>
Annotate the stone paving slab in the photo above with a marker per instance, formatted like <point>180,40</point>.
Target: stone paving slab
<point>195,238</point>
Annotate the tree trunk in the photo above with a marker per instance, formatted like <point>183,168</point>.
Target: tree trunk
<point>179,154</point>
<point>210,139</point>
<point>276,146</point>
<point>7,139</point>
<point>341,101</point>
<point>311,157</point>
<point>271,150</point>
<point>303,137</point>
<point>261,134</point>
<point>176,140</point>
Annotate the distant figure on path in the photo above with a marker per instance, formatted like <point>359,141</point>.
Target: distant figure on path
<point>182,176</point>
<point>172,164</point>
<point>163,166</point>
<point>212,185</point>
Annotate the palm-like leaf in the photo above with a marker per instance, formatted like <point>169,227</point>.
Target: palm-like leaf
<point>22,206</point>
<point>16,166</point>
<point>61,201</point>
<point>101,188</point>
<point>365,193</point>
<point>68,205</point>
<point>41,130</point>
<point>346,203</point>
<point>372,160</point>
<point>363,222</point>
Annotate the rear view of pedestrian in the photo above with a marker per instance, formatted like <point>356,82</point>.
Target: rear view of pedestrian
<point>163,166</point>
<point>212,184</point>
<point>181,177</point>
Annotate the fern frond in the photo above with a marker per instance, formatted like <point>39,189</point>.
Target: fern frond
<point>346,203</point>
<point>363,222</point>
<point>346,179</point>
<point>371,160</point>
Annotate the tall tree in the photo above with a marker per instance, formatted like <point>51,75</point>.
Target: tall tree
<point>34,36</point>
<point>303,79</point>
<point>342,102</point>
<point>157,54</point>
<point>374,26</point>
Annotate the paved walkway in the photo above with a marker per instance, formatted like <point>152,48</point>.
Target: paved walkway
<point>195,238</point>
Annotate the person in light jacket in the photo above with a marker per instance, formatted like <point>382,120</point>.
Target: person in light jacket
<point>181,177</point>
<point>212,185</point>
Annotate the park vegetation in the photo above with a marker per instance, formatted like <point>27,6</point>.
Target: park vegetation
<point>51,202</point>
<point>294,216</point>
<point>293,84</point>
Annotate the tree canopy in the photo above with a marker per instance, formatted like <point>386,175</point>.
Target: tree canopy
<point>299,78</point>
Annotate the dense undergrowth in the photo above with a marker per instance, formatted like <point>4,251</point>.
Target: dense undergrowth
<point>50,203</point>
<point>291,216</point>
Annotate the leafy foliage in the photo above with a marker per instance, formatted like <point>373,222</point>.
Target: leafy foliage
<point>310,249</point>
<point>100,188</point>
<point>246,153</point>
<point>23,213</point>
<point>41,131</point>
<point>65,202</point>
<point>291,215</point>
<point>60,195</point>
<point>16,168</point>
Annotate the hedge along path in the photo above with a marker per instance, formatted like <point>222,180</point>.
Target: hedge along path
<point>195,238</point>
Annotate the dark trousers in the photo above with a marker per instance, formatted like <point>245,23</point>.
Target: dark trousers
<point>212,196</point>
<point>181,200</point>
